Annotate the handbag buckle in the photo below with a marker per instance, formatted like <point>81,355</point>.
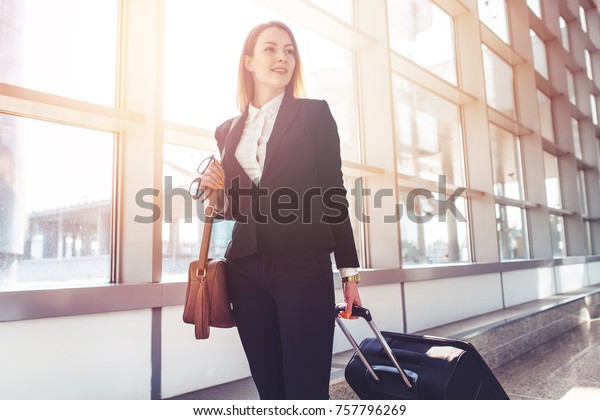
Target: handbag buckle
<point>201,273</point>
<point>209,211</point>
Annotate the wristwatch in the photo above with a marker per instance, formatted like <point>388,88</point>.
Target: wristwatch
<point>355,278</point>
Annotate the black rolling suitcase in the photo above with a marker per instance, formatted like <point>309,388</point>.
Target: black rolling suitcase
<point>413,367</point>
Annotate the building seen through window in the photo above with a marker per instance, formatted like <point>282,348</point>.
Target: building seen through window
<point>56,206</point>
<point>56,181</point>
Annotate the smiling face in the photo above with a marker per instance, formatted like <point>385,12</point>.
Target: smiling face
<point>272,64</point>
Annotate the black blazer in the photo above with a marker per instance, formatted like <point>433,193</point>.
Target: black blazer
<point>300,203</point>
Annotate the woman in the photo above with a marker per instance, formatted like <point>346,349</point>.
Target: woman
<point>280,178</point>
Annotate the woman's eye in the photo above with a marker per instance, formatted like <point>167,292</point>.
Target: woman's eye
<point>269,49</point>
<point>290,52</point>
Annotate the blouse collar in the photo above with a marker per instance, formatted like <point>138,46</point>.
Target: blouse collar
<point>268,109</point>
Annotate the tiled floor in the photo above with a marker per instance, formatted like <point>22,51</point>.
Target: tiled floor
<point>567,367</point>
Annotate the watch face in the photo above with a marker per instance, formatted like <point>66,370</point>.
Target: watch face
<point>352,279</point>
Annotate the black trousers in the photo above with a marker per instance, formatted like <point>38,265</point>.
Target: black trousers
<point>284,310</point>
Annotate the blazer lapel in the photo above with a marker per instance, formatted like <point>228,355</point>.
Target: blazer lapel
<point>232,140</point>
<point>235,134</point>
<point>287,112</point>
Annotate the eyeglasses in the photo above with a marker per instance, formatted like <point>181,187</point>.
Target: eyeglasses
<point>195,191</point>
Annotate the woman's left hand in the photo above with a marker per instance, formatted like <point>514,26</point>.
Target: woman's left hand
<point>351,296</point>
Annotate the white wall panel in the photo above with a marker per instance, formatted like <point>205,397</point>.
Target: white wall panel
<point>100,356</point>
<point>189,364</point>
<point>436,302</point>
<point>593,270</point>
<point>570,277</point>
<point>522,286</point>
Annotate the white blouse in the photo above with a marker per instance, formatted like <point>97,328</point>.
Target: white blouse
<point>252,148</point>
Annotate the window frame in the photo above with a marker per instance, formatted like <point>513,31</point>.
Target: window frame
<point>141,291</point>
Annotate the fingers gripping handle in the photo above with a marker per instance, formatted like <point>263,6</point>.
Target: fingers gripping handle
<point>366,314</point>
<point>356,311</point>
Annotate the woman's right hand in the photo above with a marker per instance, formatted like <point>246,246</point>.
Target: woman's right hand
<point>211,182</point>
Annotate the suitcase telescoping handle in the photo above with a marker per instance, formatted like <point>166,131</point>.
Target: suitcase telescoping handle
<point>366,314</point>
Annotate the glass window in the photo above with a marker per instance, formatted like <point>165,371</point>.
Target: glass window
<point>55,208</point>
<point>553,196</point>
<point>582,19</point>
<point>588,65</point>
<point>593,109</point>
<point>506,159</point>
<point>430,148</point>
<point>535,7</point>
<point>540,62</point>
<point>422,32</point>
<point>195,93</point>
<point>588,237</point>
<point>512,233</point>
<point>430,234</point>
<point>582,192</point>
<point>493,15</point>
<point>329,75</point>
<point>564,34</point>
<point>63,47</point>
<point>576,138</point>
<point>498,82</point>
<point>557,235</point>
<point>339,8</point>
<point>571,86</point>
<point>356,212</point>
<point>546,121</point>
<point>205,95</point>
<point>428,133</point>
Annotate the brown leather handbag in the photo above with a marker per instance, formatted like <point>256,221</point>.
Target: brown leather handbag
<point>206,299</point>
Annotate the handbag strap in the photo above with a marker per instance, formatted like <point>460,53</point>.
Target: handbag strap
<point>209,213</point>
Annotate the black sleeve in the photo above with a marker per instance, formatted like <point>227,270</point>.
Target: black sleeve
<point>329,167</point>
<point>220,135</point>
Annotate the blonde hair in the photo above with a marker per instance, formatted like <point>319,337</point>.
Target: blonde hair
<point>245,89</point>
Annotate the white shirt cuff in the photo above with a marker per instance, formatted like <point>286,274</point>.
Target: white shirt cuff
<point>348,271</point>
